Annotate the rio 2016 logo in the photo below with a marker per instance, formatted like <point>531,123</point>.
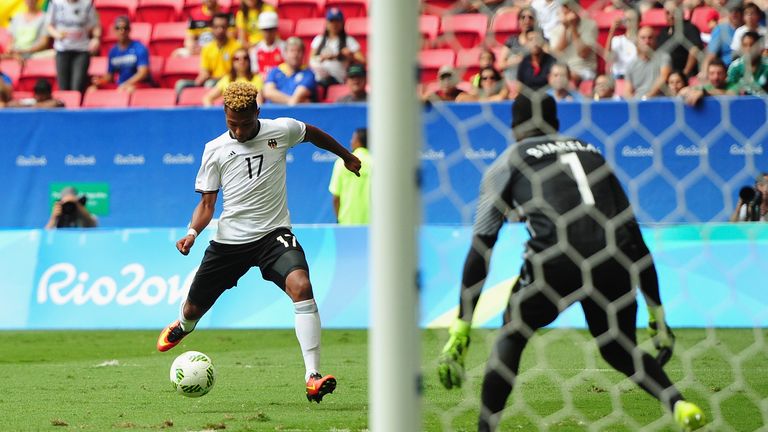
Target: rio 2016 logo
<point>62,283</point>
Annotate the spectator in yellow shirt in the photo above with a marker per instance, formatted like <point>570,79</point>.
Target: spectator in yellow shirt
<point>247,21</point>
<point>352,194</point>
<point>240,72</point>
<point>216,56</point>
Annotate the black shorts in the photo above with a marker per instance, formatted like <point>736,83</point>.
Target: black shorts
<point>276,254</point>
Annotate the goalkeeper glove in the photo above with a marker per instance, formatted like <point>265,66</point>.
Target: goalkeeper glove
<point>661,334</point>
<point>450,367</point>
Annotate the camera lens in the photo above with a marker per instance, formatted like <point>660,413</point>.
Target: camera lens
<point>746,194</point>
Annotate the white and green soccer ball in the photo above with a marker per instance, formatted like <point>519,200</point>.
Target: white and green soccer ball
<point>193,374</point>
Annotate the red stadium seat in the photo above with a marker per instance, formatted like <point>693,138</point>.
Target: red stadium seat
<point>285,28</point>
<point>166,37</point>
<point>358,29</point>
<point>656,18</point>
<point>336,91</point>
<point>5,39</point>
<point>306,30</point>
<point>12,68</point>
<point>621,86</point>
<point>98,66</point>
<point>431,60</point>
<point>467,62</point>
<point>296,9</point>
<point>702,16</point>
<point>153,98</point>
<point>21,95</point>
<point>177,68</point>
<point>429,26</point>
<point>350,8</point>
<point>504,25</point>
<point>105,99</point>
<point>111,9</point>
<point>157,11</point>
<point>156,64</point>
<point>604,19</point>
<point>463,30</point>
<point>71,98</point>
<point>140,31</point>
<point>192,96</point>
<point>586,87</point>
<point>35,69</point>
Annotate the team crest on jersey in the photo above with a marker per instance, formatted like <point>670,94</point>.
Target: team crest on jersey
<point>272,143</point>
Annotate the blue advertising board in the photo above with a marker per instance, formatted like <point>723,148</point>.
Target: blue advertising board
<point>135,278</point>
<point>677,163</point>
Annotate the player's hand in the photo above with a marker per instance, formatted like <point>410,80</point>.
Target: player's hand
<point>185,244</point>
<point>353,164</point>
<point>663,340</point>
<point>450,365</point>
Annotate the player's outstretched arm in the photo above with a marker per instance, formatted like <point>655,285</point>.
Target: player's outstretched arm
<point>201,217</point>
<point>324,141</point>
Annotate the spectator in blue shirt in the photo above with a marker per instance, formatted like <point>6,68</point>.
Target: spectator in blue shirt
<point>291,82</point>
<point>722,35</point>
<point>128,61</point>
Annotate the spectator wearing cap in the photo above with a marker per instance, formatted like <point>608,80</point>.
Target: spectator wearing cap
<point>42,97</point>
<point>269,51</point>
<point>70,211</point>
<point>447,90</point>
<point>573,42</point>
<point>248,23</point>
<point>290,83</point>
<point>128,59</point>
<point>333,51</point>
<point>356,82</point>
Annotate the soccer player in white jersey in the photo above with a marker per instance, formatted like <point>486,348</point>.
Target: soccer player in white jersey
<point>247,163</point>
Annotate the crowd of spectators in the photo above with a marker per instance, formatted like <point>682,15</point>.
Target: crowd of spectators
<point>563,46</point>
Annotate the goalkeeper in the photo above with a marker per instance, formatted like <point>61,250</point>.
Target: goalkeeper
<point>585,246</point>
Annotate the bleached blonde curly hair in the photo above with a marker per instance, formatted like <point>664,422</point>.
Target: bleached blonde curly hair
<point>240,96</point>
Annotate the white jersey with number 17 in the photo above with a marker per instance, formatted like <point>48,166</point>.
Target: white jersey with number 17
<point>252,178</point>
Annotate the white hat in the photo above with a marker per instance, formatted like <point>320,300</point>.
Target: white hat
<point>267,20</point>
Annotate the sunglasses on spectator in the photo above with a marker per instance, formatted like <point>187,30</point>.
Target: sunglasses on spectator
<point>488,77</point>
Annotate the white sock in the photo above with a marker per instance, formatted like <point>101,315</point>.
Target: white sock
<point>186,324</point>
<point>308,334</point>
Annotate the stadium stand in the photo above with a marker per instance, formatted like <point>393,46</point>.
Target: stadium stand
<point>71,98</point>
<point>166,37</point>
<point>35,69</point>
<point>177,68</point>
<point>463,30</point>
<point>358,29</point>
<point>504,25</point>
<point>192,96</point>
<point>429,26</point>
<point>98,66</point>
<point>158,11</point>
<point>285,28</point>
<point>105,99</point>
<point>336,91</point>
<point>296,9</point>
<point>12,68</point>
<point>153,98</point>
<point>350,8</point>
<point>111,9</point>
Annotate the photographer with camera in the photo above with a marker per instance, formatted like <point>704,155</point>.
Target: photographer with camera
<point>753,202</point>
<point>70,212</point>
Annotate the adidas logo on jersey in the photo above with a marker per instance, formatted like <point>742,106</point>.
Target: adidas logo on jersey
<point>232,153</point>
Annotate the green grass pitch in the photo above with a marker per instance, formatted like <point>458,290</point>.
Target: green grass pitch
<point>115,380</point>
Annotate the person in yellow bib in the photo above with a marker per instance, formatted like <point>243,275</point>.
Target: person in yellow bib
<point>352,194</point>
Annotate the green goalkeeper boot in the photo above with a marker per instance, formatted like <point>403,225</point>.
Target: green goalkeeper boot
<point>450,366</point>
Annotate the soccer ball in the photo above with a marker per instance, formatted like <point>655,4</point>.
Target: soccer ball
<point>193,374</point>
